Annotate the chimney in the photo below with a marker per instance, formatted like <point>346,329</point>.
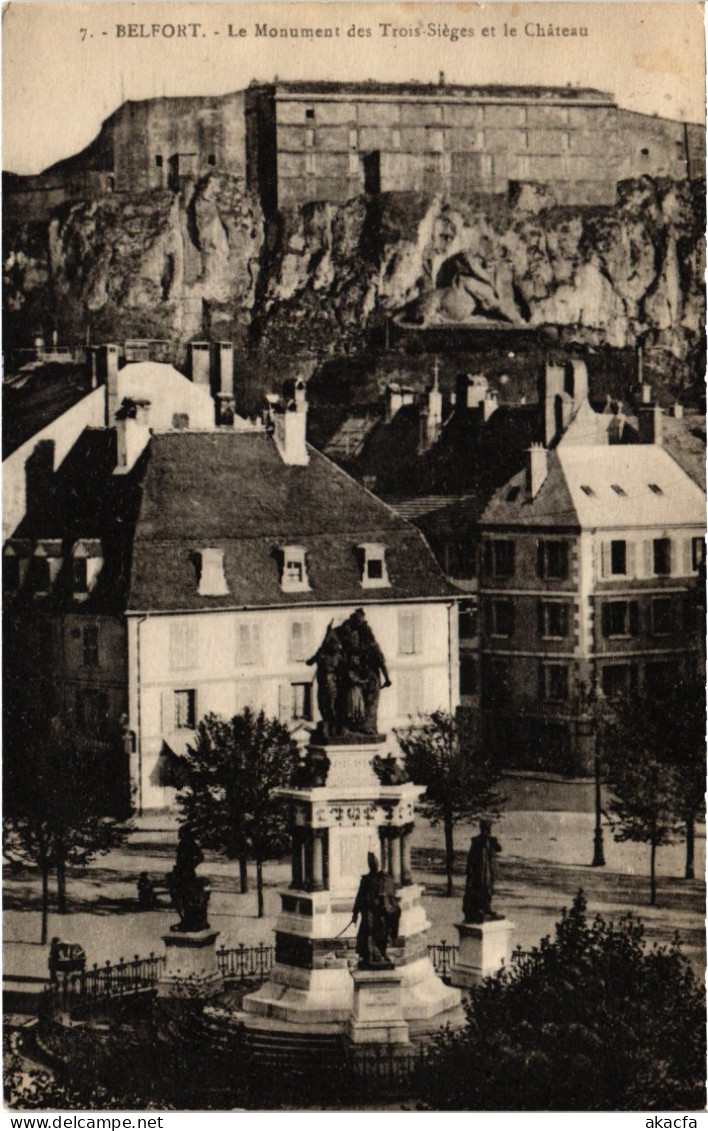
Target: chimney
<point>132,433</point>
<point>536,469</point>
<point>552,386</point>
<point>109,369</point>
<point>435,401</point>
<point>212,582</point>
<point>646,393</point>
<point>290,433</point>
<point>394,400</point>
<point>649,421</point>
<point>39,470</point>
<point>199,361</point>
<point>225,404</point>
<point>94,366</point>
<point>677,410</point>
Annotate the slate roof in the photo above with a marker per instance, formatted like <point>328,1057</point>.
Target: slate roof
<point>232,491</point>
<point>685,440</point>
<point>562,502</point>
<point>552,506</point>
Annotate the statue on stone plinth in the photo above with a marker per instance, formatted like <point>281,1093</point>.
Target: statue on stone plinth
<point>351,670</point>
<point>377,904</point>
<point>188,891</point>
<point>481,876</point>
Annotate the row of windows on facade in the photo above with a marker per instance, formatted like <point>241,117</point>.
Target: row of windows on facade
<point>618,558</point>
<point>182,710</point>
<point>554,680</point>
<point>250,639</point>
<point>42,568</point>
<point>664,615</point>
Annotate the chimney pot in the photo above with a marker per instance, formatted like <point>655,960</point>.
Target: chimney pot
<point>536,469</point>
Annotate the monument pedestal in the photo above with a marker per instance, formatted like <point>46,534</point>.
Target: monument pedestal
<point>377,1013</point>
<point>191,970</point>
<point>483,949</point>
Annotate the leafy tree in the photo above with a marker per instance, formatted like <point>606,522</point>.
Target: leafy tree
<point>444,754</point>
<point>645,787</point>
<point>231,774</point>
<point>591,1020</point>
<point>679,715</point>
<point>56,810</point>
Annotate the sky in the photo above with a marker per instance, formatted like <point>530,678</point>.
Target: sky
<point>66,67</point>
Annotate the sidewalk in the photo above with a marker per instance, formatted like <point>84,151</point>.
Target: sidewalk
<point>545,859</point>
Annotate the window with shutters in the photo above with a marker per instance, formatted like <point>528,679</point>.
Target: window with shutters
<point>410,641</point>
<point>662,616</point>
<point>661,676</point>
<point>374,574</point>
<point>553,619</point>
<point>662,556</point>
<point>468,619</point>
<point>553,683</point>
<point>301,701</point>
<point>619,680</point>
<point>500,618</point>
<point>300,640</point>
<point>90,646</point>
<point>410,692</point>
<point>618,557</point>
<point>620,618</point>
<point>469,681</point>
<point>184,644</point>
<point>552,562</point>
<point>185,709</point>
<point>698,553</point>
<point>248,644</point>
<point>499,558</point>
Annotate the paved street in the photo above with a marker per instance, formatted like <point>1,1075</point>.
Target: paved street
<point>545,859</point>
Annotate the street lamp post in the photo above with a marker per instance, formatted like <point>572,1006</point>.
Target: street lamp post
<point>598,856</point>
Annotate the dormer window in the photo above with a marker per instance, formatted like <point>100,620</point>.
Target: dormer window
<point>44,566</point>
<point>212,582</point>
<point>86,564</point>
<point>374,573</point>
<point>294,570</point>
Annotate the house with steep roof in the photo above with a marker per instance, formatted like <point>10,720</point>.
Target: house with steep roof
<point>196,571</point>
<point>591,561</point>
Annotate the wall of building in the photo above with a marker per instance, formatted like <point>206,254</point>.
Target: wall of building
<point>204,654</point>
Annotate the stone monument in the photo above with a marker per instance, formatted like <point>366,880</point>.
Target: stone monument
<point>352,803</point>
<point>191,969</point>
<point>485,937</point>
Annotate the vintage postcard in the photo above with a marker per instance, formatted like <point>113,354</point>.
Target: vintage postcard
<point>354,577</point>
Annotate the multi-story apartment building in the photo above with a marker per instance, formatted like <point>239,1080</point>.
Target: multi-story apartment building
<point>590,562</point>
<point>168,573</point>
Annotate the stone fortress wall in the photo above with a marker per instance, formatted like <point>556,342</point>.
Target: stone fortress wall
<point>295,142</point>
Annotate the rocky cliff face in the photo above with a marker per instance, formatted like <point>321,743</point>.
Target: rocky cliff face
<point>316,281</point>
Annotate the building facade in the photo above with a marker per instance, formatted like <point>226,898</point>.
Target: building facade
<point>590,560</point>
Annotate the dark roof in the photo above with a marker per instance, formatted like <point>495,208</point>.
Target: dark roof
<point>685,440</point>
<point>84,500</point>
<point>30,406</point>
<point>232,491</point>
<point>495,90</point>
<point>552,506</point>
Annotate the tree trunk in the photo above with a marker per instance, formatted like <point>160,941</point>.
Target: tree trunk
<point>259,884</point>
<point>61,883</point>
<point>45,904</point>
<point>449,852</point>
<point>243,873</point>
<point>652,875</point>
<point>690,873</point>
